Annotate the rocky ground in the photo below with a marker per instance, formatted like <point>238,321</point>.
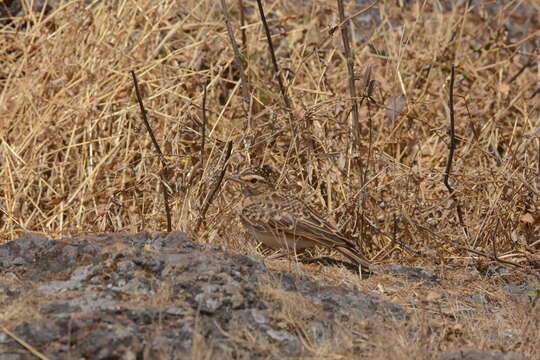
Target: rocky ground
<point>120,296</point>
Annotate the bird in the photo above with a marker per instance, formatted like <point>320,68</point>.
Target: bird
<point>283,221</point>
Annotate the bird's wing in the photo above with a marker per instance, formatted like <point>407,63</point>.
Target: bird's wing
<point>295,218</point>
<point>254,216</point>
<point>298,219</point>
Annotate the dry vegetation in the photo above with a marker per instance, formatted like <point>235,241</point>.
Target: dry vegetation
<point>76,158</point>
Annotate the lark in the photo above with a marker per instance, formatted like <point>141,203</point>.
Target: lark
<point>283,221</point>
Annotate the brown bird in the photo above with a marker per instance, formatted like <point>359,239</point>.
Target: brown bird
<point>284,221</point>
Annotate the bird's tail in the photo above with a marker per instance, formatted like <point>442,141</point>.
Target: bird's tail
<point>355,256</point>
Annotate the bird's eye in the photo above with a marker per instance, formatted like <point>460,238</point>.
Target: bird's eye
<point>253,181</point>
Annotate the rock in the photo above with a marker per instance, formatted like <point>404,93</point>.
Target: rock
<point>412,274</point>
<point>130,296</point>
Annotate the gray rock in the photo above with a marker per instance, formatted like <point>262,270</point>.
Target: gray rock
<point>96,297</point>
<point>412,274</point>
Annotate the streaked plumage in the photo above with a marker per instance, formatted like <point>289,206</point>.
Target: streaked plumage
<point>284,221</point>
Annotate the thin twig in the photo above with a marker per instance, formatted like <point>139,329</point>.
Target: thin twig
<point>158,150</point>
<point>274,61</point>
<point>520,71</point>
<point>494,234</point>
<point>480,253</point>
<point>24,344</point>
<point>350,69</point>
<point>237,58</point>
<point>145,118</point>
<point>333,29</point>
<point>203,125</point>
<point>358,13</point>
<point>536,92</point>
<point>452,148</point>
<point>242,24</point>
<point>538,174</point>
<point>216,187</point>
<point>396,241</point>
<point>459,247</point>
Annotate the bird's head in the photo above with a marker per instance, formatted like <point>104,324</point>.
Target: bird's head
<point>256,181</point>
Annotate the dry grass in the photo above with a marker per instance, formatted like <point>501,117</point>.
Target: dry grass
<point>75,157</point>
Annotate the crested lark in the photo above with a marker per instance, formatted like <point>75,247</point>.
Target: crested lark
<point>283,221</point>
